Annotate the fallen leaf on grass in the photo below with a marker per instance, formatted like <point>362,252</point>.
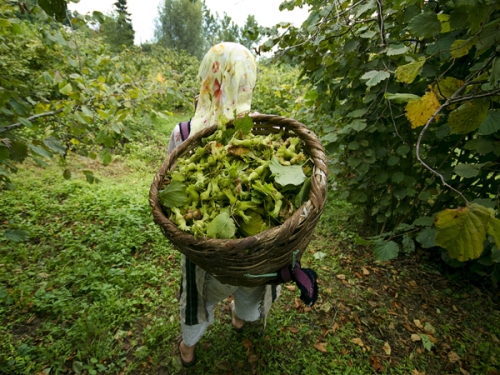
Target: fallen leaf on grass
<point>387,348</point>
<point>464,372</point>
<point>341,277</point>
<point>376,365</point>
<point>293,329</point>
<point>326,307</point>
<point>418,323</point>
<point>365,271</point>
<point>429,328</point>
<point>335,327</point>
<point>320,346</point>
<point>495,339</point>
<point>415,337</point>
<point>43,275</point>
<point>298,304</point>
<point>416,372</point>
<point>453,357</point>
<point>247,343</point>
<point>408,327</point>
<point>357,341</point>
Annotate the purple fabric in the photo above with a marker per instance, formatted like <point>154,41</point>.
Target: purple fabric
<point>185,129</point>
<point>305,278</point>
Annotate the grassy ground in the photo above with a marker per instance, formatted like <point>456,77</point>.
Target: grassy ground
<point>93,290</point>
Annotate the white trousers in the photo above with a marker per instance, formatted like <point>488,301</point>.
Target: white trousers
<point>200,292</point>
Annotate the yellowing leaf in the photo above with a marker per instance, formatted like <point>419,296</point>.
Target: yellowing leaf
<point>407,73</point>
<point>494,230</point>
<point>445,22</point>
<point>160,78</point>
<point>461,48</point>
<point>462,231</point>
<point>387,348</point>
<point>446,87</point>
<point>468,116</point>
<point>358,341</point>
<point>420,111</point>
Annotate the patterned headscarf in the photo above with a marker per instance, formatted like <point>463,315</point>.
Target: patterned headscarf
<point>227,76</point>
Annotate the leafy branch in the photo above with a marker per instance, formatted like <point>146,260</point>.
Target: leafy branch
<point>35,117</point>
<point>454,98</point>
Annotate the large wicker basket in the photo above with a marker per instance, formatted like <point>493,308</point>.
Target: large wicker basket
<point>231,261</point>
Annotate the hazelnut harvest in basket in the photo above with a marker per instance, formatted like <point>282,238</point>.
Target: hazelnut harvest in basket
<point>232,201</point>
<point>237,184</point>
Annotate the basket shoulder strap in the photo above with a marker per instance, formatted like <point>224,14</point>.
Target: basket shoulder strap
<point>185,128</point>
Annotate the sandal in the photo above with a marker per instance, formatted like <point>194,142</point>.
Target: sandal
<point>186,364</point>
<point>233,316</point>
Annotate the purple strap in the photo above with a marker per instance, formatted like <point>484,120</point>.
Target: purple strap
<point>305,278</point>
<point>185,128</point>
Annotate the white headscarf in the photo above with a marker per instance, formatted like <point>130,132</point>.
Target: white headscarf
<point>227,76</point>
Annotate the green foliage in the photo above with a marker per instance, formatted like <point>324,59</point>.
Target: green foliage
<point>179,26</point>
<point>277,91</point>
<point>117,29</point>
<point>76,295</point>
<point>66,92</point>
<point>395,86</point>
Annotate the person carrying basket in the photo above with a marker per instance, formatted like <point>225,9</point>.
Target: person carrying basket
<point>227,75</point>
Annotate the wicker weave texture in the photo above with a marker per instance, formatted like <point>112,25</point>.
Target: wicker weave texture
<point>229,261</point>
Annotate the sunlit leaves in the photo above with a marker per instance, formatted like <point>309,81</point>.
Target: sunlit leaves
<point>407,73</point>
<point>491,123</point>
<point>374,77</point>
<point>425,25</point>
<point>461,48</point>
<point>462,231</point>
<point>398,49</point>
<point>467,170</point>
<point>421,110</point>
<point>55,145</point>
<point>468,117</point>
<point>445,88</point>
<point>401,98</point>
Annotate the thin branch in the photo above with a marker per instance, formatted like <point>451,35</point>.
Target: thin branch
<point>35,117</point>
<point>381,23</point>
<point>417,151</point>
<point>394,123</point>
<point>75,41</point>
<point>471,97</point>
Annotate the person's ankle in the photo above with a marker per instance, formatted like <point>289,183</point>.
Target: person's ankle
<point>187,352</point>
